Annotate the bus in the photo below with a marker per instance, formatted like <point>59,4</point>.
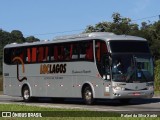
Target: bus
<point>98,65</point>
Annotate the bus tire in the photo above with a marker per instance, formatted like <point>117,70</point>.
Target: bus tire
<point>88,95</point>
<point>26,94</point>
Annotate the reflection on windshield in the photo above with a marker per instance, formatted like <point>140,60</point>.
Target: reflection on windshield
<point>128,68</point>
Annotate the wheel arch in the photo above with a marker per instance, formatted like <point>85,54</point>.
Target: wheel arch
<point>85,85</point>
<point>28,85</point>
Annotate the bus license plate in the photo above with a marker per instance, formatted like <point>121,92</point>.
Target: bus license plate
<point>136,94</point>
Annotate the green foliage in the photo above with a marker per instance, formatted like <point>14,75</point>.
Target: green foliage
<point>31,39</point>
<point>17,36</point>
<point>66,114</point>
<point>157,75</point>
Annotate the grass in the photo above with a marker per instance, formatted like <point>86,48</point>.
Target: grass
<point>63,114</point>
<point>157,93</point>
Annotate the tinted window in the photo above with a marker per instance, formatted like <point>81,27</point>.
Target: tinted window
<point>71,51</point>
<point>100,53</point>
<point>129,46</point>
<point>11,53</point>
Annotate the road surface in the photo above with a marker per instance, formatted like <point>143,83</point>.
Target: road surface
<point>136,105</point>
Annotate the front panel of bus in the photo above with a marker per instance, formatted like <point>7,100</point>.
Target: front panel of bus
<point>131,69</point>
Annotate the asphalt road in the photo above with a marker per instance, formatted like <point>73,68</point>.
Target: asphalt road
<point>135,106</point>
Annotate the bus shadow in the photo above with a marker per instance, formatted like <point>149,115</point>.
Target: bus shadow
<point>106,102</point>
<point>132,102</point>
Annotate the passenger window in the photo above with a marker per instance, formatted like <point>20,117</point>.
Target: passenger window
<point>46,56</point>
<point>60,53</point>
<point>40,54</point>
<point>83,46</point>
<point>51,53</point>
<point>67,52</point>
<point>28,57</point>
<point>43,54</point>
<point>100,52</point>
<point>34,54</point>
<point>89,51</point>
<point>86,50</point>
<point>74,51</point>
<point>55,53</point>
<point>101,49</point>
<point>8,56</point>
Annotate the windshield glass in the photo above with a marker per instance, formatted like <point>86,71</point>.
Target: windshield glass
<point>132,68</point>
<point>130,46</point>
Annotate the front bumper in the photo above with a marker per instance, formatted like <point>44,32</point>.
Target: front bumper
<point>132,94</point>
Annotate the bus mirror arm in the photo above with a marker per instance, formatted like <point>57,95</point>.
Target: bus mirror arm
<point>110,61</point>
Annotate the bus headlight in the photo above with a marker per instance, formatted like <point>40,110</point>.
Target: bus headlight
<point>118,88</point>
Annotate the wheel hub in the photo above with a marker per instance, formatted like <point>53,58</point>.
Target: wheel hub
<point>88,95</point>
<point>26,94</point>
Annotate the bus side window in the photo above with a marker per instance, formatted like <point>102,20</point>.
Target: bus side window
<point>34,54</point>
<point>98,54</point>
<point>43,54</point>
<point>28,58</point>
<point>89,51</point>
<point>40,54</point>
<point>55,53</point>
<point>8,55</point>
<point>71,51</point>
<point>74,48</point>
<point>21,54</point>
<point>67,52</point>
<point>60,53</point>
<point>83,46</point>
<point>51,53</point>
<point>46,56</point>
<point>13,53</point>
<point>101,50</point>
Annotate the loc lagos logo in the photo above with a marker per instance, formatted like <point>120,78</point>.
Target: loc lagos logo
<point>52,68</point>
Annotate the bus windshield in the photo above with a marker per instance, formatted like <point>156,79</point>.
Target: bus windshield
<point>132,68</point>
<point>129,46</point>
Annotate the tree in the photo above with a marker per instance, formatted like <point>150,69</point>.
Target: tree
<point>31,39</point>
<point>116,18</point>
<point>17,36</point>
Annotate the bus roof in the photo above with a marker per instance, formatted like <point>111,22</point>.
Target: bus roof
<point>83,36</point>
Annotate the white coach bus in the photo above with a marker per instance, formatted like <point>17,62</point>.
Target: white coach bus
<point>90,66</point>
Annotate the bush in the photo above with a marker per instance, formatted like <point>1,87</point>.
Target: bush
<point>157,75</point>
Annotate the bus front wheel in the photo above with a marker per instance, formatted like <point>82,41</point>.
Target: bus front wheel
<point>88,95</point>
<point>26,94</point>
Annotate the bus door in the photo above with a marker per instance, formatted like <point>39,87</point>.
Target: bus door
<point>103,62</point>
<point>106,74</point>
